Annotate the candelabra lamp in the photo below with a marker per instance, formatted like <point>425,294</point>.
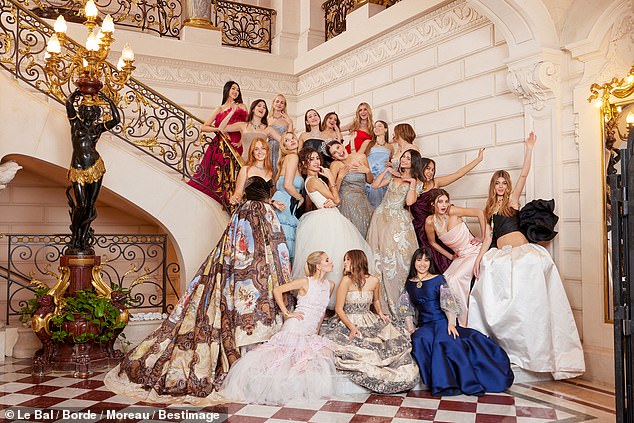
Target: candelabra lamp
<point>87,66</point>
<point>80,317</point>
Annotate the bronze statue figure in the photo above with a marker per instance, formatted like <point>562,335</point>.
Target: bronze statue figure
<point>87,168</point>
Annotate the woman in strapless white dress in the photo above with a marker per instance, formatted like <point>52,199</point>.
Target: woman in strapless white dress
<point>324,229</point>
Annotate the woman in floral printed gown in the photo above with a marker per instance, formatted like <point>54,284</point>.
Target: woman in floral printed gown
<point>229,303</point>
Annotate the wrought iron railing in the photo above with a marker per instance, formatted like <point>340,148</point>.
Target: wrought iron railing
<point>244,25</point>
<point>335,12</point>
<point>124,257</point>
<point>163,17</point>
<point>150,122</point>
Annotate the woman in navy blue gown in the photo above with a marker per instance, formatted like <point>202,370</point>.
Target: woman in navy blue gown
<point>452,360</point>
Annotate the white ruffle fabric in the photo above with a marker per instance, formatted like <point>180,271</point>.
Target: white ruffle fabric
<point>520,302</point>
<point>289,367</point>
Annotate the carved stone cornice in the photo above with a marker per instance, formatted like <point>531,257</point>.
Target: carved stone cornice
<point>181,73</point>
<point>535,82</point>
<point>441,23</point>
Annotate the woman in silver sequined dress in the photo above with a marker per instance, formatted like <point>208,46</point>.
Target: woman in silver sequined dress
<point>351,172</point>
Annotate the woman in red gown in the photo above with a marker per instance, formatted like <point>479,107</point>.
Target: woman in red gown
<point>206,178</point>
<point>360,129</point>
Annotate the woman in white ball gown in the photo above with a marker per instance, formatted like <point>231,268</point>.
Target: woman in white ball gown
<point>324,229</point>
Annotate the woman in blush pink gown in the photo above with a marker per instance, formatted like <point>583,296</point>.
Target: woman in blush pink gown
<point>232,110</point>
<point>296,364</point>
<point>446,223</point>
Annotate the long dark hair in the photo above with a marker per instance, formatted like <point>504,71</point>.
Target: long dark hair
<point>416,170</point>
<point>264,120</point>
<point>227,88</point>
<point>358,267</point>
<point>421,252</point>
<point>304,155</point>
<point>308,128</point>
<point>425,161</point>
<point>322,126</point>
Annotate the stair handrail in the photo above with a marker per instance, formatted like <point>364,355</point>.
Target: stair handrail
<point>150,122</point>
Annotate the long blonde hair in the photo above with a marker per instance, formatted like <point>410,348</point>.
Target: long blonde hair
<point>312,261</point>
<point>267,159</point>
<point>356,121</point>
<point>505,208</point>
<point>285,152</point>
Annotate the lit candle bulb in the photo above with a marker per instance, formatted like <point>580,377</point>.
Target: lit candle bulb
<point>53,45</point>
<point>91,10</point>
<point>120,64</point>
<point>108,25</point>
<point>127,54</point>
<point>60,25</point>
<point>630,119</point>
<point>92,43</point>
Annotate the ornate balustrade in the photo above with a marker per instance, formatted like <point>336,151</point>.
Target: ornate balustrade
<point>244,25</point>
<point>150,122</point>
<point>335,12</point>
<point>125,257</point>
<point>163,17</point>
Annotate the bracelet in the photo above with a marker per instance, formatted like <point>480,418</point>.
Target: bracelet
<point>412,189</point>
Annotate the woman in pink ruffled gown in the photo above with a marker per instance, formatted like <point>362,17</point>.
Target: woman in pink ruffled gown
<point>446,223</point>
<point>296,364</point>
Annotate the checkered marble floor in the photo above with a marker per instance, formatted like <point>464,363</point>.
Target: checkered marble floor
<point>524,402</point>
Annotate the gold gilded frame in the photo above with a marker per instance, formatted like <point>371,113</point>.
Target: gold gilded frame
<point>615,129</point>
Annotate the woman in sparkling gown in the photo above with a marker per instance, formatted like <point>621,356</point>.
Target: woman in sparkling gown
<point>351,172</point>
<point>324,229</point>
<point>446,223</point>
<point>518,298</point>
<point>452,360</point>
<point>423,207</point>
<point>369,350</point>
<point>379,153</point>
<point>256,126</point>
<point>227,305</point>
<point>296,364</point>
<point>231,111</point>
<point>360,129</point>
<point>289,184</point>
<point>391,234</point>
<point>281,122</point>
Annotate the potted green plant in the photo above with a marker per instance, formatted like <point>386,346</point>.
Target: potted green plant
<point>83,317</point>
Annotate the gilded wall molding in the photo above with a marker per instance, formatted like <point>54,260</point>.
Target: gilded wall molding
<point>424,31</point>
<point>212,77</point>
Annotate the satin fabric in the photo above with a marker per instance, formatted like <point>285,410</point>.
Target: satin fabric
<point>520,302</point>
<point>460,271</point>
<point>470,364</point>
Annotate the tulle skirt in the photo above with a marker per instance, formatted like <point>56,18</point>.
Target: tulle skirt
<point>327,230</point>
<point>290,367</point>
<point>520,302</point>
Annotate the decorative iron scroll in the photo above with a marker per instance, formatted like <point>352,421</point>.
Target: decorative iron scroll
<point>150,122</point>
<point>125,257</point>
<point>244,25</point>
<point>335,12</point>
<point>160,16</point>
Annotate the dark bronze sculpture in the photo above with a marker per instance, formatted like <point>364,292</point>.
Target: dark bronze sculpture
<point>87,168</point>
